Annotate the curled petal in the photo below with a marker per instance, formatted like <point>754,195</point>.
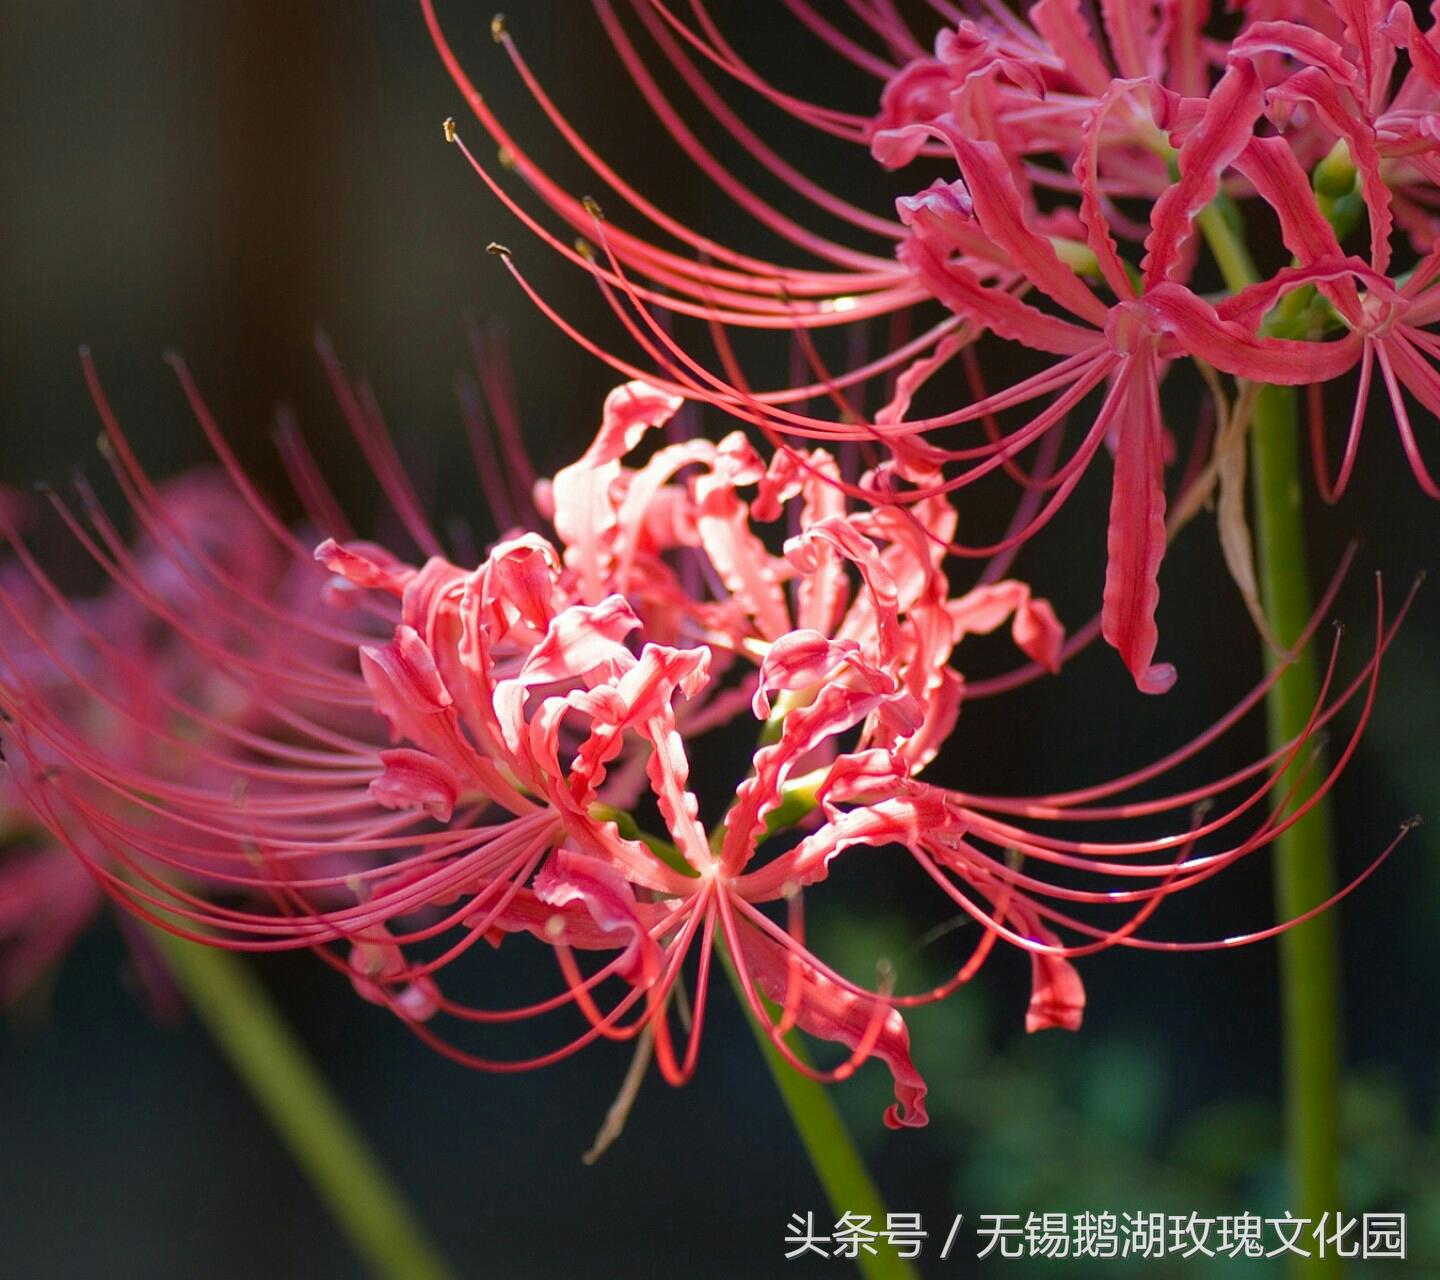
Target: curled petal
<point>858,774</point>
<point>630,411</point>
<point>404,681</point>
<point>1036,630</point>
<point>904,820</point>
<point>523,574</point>
<point>749,572</point>
<point>1057,995</point>
<point>1136,538</point>
<point>580,640</point>
<point>1400,28</point>
<point>1220,136</point>
<point>1279,180</point>
<point>375,969</point>
<point>582,498</point>
<point>830,1012</point>
<point>971,54</point>
<point>1063,25</point>
<point>1337,106</point>
<point>568,925</point>
<point>430,601</point>
<point>416,780</point>
<point>836,708</point>
<point>799,660</point>
<point>1250,305</point>
<point>607,897</point>
<point>920,91</point>
<point>1039,634</point>
<point>841,534</point>
<point>1200,331</point>
<point>1001,212</point>
<point>365,565</point>
<point>1292,40</point>
<point>643,694</point>
<point>942,710</point>
<point>960,289</point>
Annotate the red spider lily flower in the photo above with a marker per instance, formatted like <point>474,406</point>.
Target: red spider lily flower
<point>538,701</point>
<point>1143,104</point>
<point>1123,343</point>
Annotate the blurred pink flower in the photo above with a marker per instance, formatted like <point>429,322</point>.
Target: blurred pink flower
<point>132,669</point>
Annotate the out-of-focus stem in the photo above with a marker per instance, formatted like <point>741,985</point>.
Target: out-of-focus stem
<point>289,1089</point>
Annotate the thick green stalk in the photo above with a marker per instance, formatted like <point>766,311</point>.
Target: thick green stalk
<point>1304,858</point>
<point>832,1151</point>
<point>293,1095</point>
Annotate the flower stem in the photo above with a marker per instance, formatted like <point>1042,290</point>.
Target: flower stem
<point>1304,859</point>
<point>833,1155</point>
<point>288,1088</point>
<point>1304,855</point>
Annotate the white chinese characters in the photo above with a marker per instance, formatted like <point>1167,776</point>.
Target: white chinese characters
<point>1138,1234</point>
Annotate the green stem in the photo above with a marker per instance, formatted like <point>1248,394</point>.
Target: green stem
<point>295,1098</point>
<point>1304,855</point>
<point>1304,859</point>
<point>832,1151</point>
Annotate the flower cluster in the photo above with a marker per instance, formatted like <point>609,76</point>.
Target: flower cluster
<point>389,754</point>
<point>546,709</point>
<point>1093,150</point>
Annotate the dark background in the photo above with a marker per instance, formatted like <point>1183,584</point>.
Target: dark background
<point>223,177</point>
